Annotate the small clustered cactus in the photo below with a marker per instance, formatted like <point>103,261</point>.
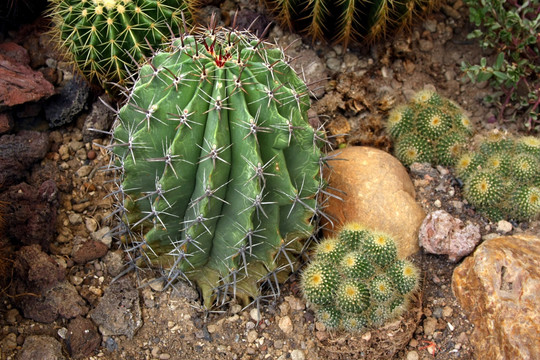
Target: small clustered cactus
<point>219,171</point>
<point>502,176</point>
<point>349,21</point>
<point>107,38</point>
<point>429,129</point>
<point>356,280</point>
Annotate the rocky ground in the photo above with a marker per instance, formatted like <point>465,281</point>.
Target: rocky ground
<point>55,198</point>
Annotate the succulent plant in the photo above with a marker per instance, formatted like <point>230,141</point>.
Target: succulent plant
<point>430,129</point>
<point>348,21</point>
<point>107,38</point>
<point>502,177</point>
<point>365,286</point>
<point>219,171</point>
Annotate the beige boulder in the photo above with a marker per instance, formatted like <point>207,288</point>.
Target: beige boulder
<point>499,289</point>
<point>377,192</point>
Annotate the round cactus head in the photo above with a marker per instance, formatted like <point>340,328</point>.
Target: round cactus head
<point>219,169</point>
<point>107,38</point>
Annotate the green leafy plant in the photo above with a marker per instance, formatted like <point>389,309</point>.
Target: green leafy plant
<point>106,39</point>
<point>429,129</point>
<point>348,21</point>
<point>219,171</point>
<point>356,280</point>
<point>511,29</point>
<point>502,177</point>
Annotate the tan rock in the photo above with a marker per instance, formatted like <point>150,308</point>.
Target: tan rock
<point>499,289</point>
<point>378,193</point>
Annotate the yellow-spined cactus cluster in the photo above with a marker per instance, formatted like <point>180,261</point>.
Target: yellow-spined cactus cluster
<point>356,280</point>
<point>430,128</point>
<point>502,176</point>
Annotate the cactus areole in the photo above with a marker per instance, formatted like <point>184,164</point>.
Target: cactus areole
<point>218,168</point>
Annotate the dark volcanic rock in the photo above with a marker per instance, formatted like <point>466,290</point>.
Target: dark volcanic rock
<point>31,213</point>
<point>36,271</point>
<point>82,337</point>
<point>64,107</point>
<point>62,300</point>
<point>41,347</point>
<point>18,152</point>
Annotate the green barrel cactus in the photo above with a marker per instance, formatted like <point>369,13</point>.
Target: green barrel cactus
<point>366,286</point>
<point>502,176</point>
<point>430,129</point>
<point>349,21</point>
<point>107,38</point>
<point>219,171</point>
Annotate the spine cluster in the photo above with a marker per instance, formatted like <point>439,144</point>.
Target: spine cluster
<point>106,39</point>
<point>349,21</point>
<point>430,129</point>
<point>502,176</point>
<point>219,171</point>
<point>356,280</point>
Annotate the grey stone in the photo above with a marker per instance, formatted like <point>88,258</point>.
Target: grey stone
<point>118,311</point>
<point>98,121</point>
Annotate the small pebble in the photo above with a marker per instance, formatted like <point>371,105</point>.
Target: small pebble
<point>297,355</point>
<point>412,355</point>
<point>255,315</point>
<point>504,226</point>
<point>91,155</point>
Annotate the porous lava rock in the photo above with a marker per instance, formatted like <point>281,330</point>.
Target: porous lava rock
<point>82,338</point>
<point>18,152</point>
<point>498,287</point>
<point>377,192</point>
<point>31,213</point>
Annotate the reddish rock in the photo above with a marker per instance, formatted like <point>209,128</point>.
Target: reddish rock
<point>85,250</point>
<point>443,234</point>
<point>82,338</point>
<point>6,123</point>
<point>498,288</point>
<point>15,52</point>
<point>18,82</point>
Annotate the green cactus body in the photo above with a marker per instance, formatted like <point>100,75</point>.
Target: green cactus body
<point>353,235</point>
<point>369,284</point>
<point>381,289</point>
<point>352,296</point>
<point>219,168</point>
<point>484,189</point>
<point>330,249</point>
<point>430,128</point>
<point>348,21</point>
<point>355,265</point>
<point>526,201</point>
<point>330,317</point>
<point>404,276</point>
<point>320,283</point>
<point>413,148</point>
<point>106,38</point>
<point>381,249</point>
